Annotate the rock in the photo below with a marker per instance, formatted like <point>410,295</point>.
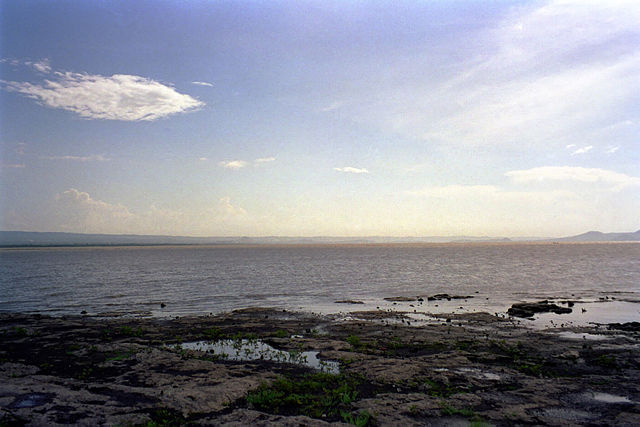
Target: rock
<point>629,326</point>
<point>401,299</point>
<point>448,297</point>
<point>528,309</point>
<point>349,301</point>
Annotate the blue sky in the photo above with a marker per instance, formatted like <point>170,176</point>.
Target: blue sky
<point>320,118</point>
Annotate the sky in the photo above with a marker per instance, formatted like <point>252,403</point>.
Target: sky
<point>320,118</point>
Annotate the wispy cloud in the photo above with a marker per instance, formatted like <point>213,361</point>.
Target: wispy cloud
<point>12,165</point>
<point>617,180</point>
<point>583,150</point>
<point>92,158</point>
<point>233,164</point>
<point>203,84</point>
<point>265,160</point>
<point>118,97</point>
<point>611,150</point>
<point>42,66</point>
<point>530,80</point>
<point>203,159</point>
<point>333,106</point>
<point>349,169</point>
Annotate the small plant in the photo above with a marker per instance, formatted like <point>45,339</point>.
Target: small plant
<point>356,343</point>
<point>361,419</point>
<point>121,356</point>
<point>452,410</point>
<point>281,333</point>
<point>214,334</point>
<point>166,417</point>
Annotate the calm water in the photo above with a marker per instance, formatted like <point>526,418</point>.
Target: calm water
<point>198,280</point>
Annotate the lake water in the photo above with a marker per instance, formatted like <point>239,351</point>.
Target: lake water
<point>202,280</point>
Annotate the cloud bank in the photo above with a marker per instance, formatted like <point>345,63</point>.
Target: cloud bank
<point>78,211</point>
<point>118,97</point>
<point>617,180</point>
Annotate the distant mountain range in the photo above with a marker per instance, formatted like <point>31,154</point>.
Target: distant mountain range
<point>32,238</point>
<point>597,236</point>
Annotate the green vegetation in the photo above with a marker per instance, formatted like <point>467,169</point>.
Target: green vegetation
<point>214,334</point>
<point>129,332</point>
<point>281,333</point>
<point>166,418</point>
<point>356,343</point>
<point>121,356</point>
<point>437,389</point>
<point>317,395</point>
<point>475,419</point>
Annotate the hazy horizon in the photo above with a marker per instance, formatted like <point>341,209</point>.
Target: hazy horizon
<point>341,119</point>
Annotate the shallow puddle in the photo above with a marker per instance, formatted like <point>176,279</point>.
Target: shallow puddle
<point>607,398</point>
<point>583,336</point>
<point>32,400</point>
<point>247,350</point>
<point>477,373</point>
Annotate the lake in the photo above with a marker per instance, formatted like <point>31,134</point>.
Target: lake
<point>193,280</point>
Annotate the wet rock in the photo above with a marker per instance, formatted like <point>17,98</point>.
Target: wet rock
<point>629,326</point>
<point>528,309</point>
<point>439,297</point>
<point>401,299</point>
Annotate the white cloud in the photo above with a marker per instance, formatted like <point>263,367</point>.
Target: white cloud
<point>611,150</point>
<point>349,169</point>
<point>118,97</point>
<point>233,164</point>
<point>203,84</point>
<point>203,159</point>
<point>41,66</point>
<point>265,159</point>
<point>583,150</point>
<point>568,147</point>
<point>92,158</point>
<point>12,165</point>
<point>617,180</point>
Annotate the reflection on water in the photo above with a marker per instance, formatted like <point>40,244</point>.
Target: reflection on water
<point>247,350</point>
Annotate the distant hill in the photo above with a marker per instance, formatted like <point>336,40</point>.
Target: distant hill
<point>597,236</point>
<point>33,238</point>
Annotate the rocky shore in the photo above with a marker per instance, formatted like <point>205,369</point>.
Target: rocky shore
<point>369,368</point>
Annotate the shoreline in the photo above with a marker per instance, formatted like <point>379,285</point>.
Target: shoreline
<point>461,368</point>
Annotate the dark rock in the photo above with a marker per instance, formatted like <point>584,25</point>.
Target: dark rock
<point>162,305</point>
<point>629,326</point>
<point>528,309</point>
<point>401,299</point>
<point>438,297</point>
<point>349,301</point>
